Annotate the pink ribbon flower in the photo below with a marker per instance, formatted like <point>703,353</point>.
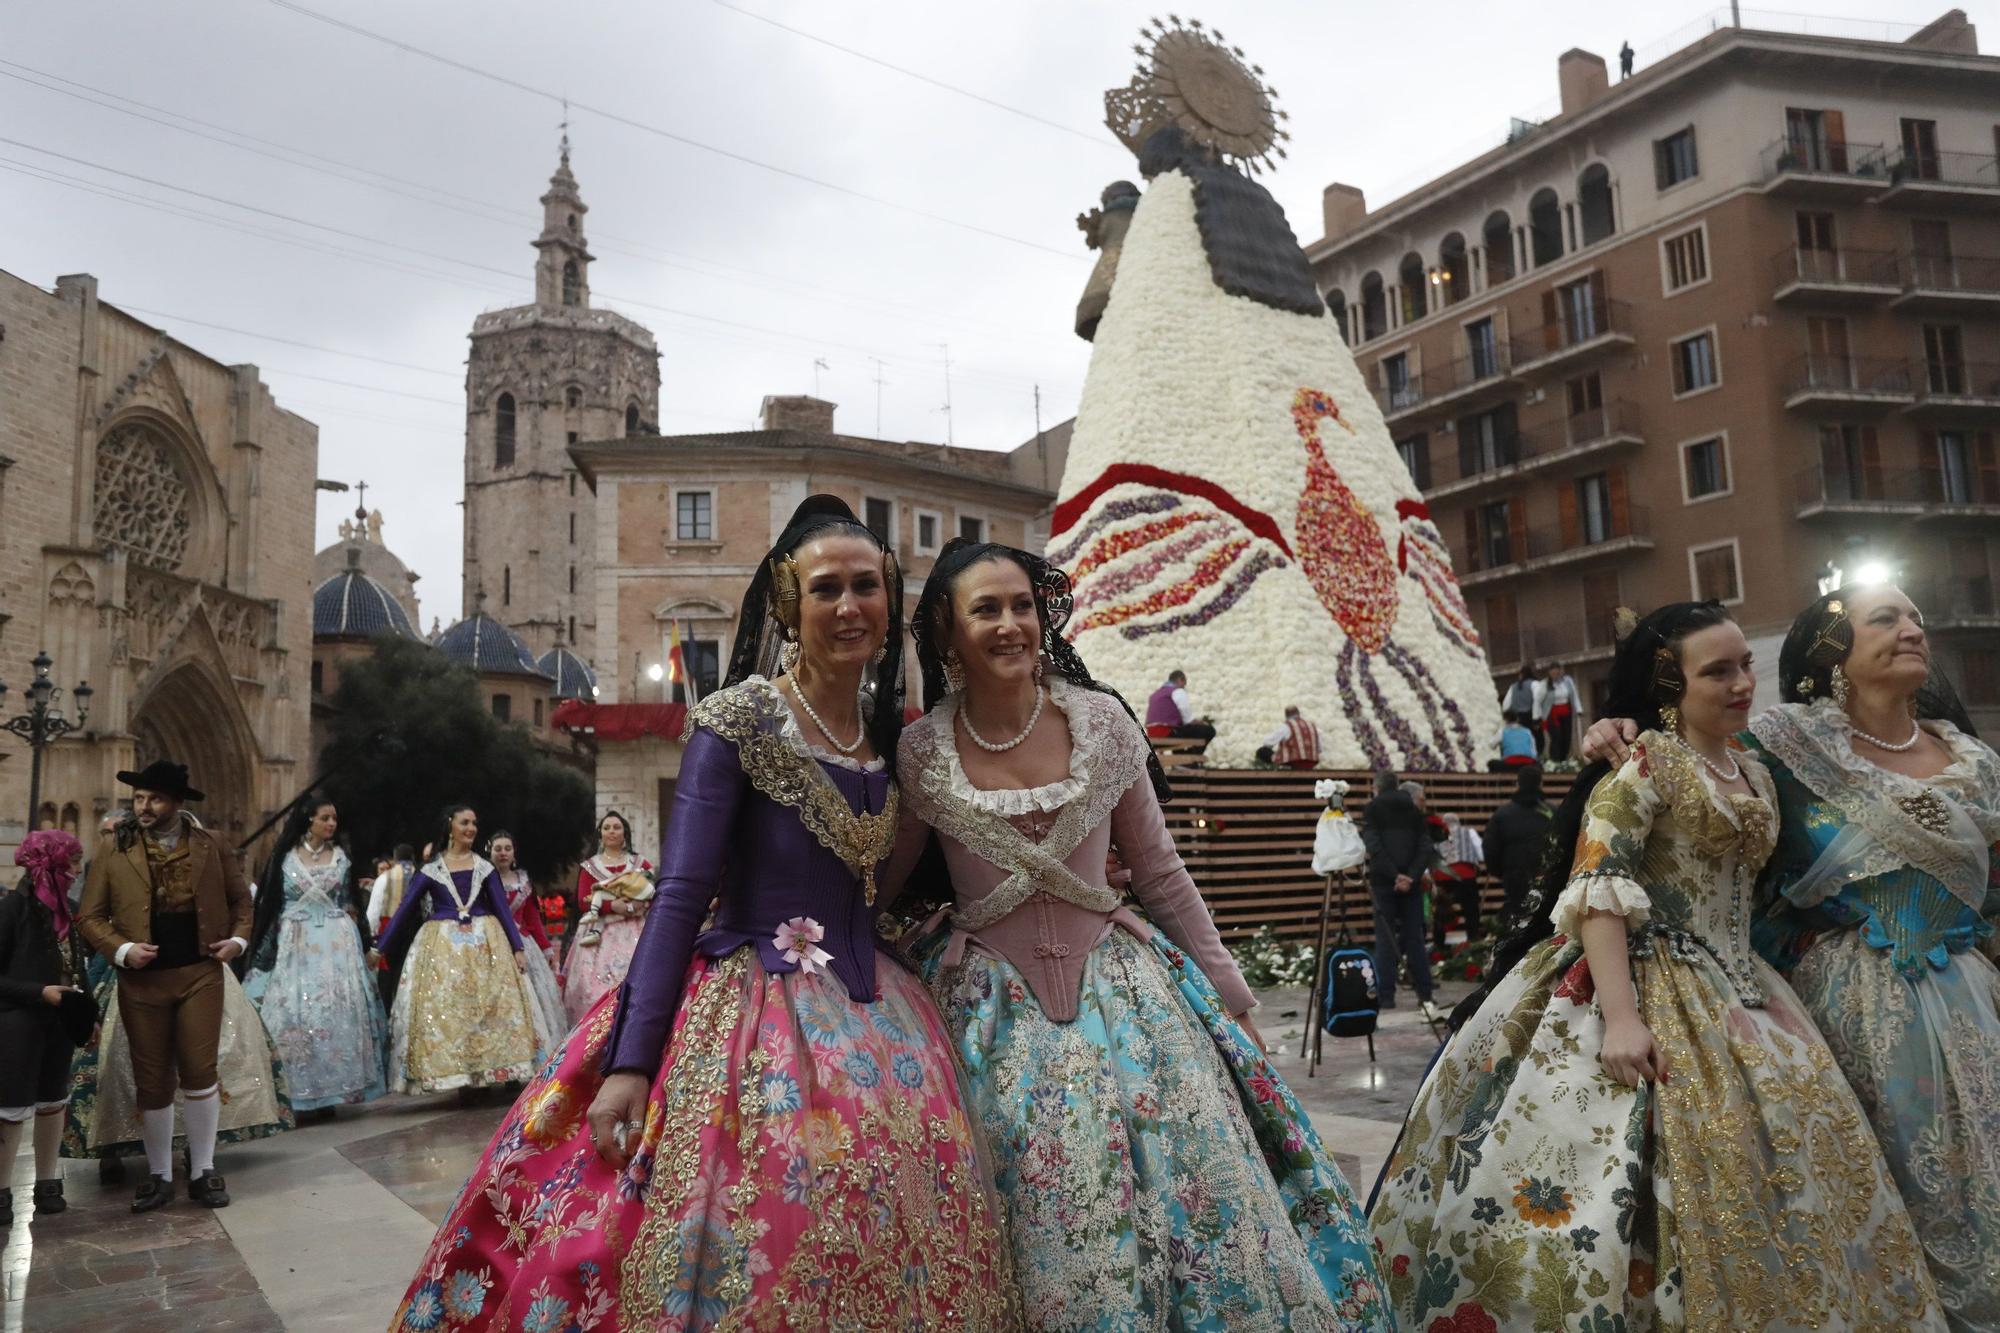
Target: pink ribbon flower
<point>799,938</point>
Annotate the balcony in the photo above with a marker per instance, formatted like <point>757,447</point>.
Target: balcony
<point>1813,171</point>
<point>1462,384</point>
<point>1948,284</point>
<point>1824,493</point>
<point>1612,428</point>
<point>1827,279</point>
<point>1581,331</point>
<point>1967,392</point>
<point>1536,549</point>
<point>1956,603</point>
<point>1571,642</point>
<point>1942,180</point>
<point>1831,381</point>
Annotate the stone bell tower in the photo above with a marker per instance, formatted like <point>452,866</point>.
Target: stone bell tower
<point>541,378</point>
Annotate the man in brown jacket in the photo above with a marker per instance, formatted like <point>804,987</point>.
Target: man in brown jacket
<point>165,901</point>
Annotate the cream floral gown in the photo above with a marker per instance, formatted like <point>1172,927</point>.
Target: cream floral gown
<point>1746,1191</point>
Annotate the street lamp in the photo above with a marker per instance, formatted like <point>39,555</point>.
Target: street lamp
<point>43,724</point>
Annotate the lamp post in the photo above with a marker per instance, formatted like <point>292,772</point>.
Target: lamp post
<point>44,723</point>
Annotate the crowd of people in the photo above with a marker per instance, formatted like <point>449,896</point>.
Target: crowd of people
<point>1730,1064</point>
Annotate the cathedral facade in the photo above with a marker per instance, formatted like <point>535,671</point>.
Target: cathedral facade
<point>542,378</point>
<point>157,543</point>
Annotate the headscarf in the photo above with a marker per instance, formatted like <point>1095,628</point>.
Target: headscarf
<point>930,627</point>
<point>47,855</point>
<point>760,634</point>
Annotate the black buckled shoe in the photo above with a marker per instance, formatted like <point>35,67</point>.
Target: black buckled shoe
<point>208,1190</point>
<point>49,1197</point>
<point>153,1192</point>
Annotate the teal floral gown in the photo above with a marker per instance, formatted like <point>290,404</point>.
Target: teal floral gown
<point>1888,960</point>
<point>1531,1190</point>
<point>1156,1172</point>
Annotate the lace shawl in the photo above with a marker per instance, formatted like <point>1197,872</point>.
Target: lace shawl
<point>1107,755</point>
<point>1944,826</point>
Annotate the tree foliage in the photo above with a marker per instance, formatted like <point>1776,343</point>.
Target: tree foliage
<point>412,735</point>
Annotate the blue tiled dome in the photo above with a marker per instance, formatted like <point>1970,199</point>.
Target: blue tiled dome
<point>484,644</point>
<point>573,679</point>
<point>350,603</point>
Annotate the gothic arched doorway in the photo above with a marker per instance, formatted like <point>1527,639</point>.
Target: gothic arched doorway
<point>190,719</point>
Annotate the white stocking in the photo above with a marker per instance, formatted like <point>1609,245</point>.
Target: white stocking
<point>157,1129</point>
<point>203,1110</point>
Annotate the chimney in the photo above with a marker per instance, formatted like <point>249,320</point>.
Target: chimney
<point>1950,32</point>
<point>1584,79</point>
<point>796,412</point>
<point>1342,210</point>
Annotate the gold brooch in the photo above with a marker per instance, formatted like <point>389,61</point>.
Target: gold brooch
<point>1928,810</point>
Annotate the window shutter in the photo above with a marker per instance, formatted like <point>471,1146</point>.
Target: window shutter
<point>1473,549</point>
<point>1551,329</point>
<point>1988,468</point>
<point>1517,528</point>
<point>1468,446</point>
<point>1621,508</point>
<point>1871,461</point>
<point>1694,153</point>
<point>1566,507</point>
<point>1660,181</point>
<point>1836,139</point>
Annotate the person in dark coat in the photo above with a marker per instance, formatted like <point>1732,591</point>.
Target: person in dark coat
<point>1516,838</point>
<point>1398,841</point>
<point>41,964</point>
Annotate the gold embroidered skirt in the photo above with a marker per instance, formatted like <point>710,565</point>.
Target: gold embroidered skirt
<point>462,1017</point>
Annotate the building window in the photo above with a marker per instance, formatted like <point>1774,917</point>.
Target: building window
<point>1374,308</point>
<point>572,483</point>
<point>1930,254</point>
<point>1396,380</point>
<point>572,578</point>
<point>1585,396</point>
<point>506,585</point>
<point>1712,570</point>
<point>572,528</point>
<point>972,529</point>
<point>879,517</point>
<point>1454,270</point>
<point>1410,277</point>
<point>1593,508</point>
<point>1488,440</point>
<point>572,286</point>
<point>1498,238</point>
<point>1336,305</point>
<point>1920,150</point>
<point>1482,349</point>
<point>1954,470</point>
<point>1705,468</point>
<point>1674,159</point>
<point>503,431</point>
<point>694,516</point>
<point>1944,358</point>
<point>631,418</point>
<point>572,397</point>
<point>1594,203</point>
<point>1545,228</point>
<point>1685,259</point>
<point>572,629</point>
<point>1694,363</point>
<point>702,659</point>
<point>930,531</point>
<point>569,438</point>
<point>503,708</point>
<point>1815,140</point>
<point>1416,455</point>
<point>318,678</point>
<point>1496,547</point>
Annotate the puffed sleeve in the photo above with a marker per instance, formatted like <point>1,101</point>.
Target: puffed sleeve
<point>1604,875</point>
<point>707,796</point>
<point>1161,883</point>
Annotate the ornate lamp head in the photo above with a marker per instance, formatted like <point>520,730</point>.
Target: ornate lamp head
<point>1188,78</point>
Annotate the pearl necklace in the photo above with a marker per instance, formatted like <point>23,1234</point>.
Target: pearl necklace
<point>1916,734</point>
<point>997,747</point>
<point>1735,769</point>
<point>820,722</point>
<point>312,851</point>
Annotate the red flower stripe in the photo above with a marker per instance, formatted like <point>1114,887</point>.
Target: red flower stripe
<point>1126,540</point>
<point>1145,474</point>
<point>1179,594</point>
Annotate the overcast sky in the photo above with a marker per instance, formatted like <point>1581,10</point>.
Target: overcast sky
<point>414,210</point>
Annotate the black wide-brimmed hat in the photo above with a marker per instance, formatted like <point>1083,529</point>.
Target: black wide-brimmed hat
<point>165,777</point>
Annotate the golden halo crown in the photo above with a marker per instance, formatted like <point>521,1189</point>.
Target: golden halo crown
<point>1190,78</point>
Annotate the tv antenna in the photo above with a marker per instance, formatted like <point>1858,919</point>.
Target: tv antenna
<point>879,382</point>
<point>949,437</point>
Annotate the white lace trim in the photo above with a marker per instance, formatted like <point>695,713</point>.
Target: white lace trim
<point>1606,893</point>
<point>794,737</point>
<point>1085,743</point>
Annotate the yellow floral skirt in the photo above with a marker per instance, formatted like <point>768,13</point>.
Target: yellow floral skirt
<point>462,1017</point>
<point>1530,1190</point>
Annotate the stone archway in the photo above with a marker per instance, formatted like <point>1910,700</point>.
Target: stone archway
<point>192,719</point>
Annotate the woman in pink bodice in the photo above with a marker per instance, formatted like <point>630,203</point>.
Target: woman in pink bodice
<point>612,903</point>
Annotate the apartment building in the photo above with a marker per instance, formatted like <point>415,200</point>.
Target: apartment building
<point>1713,331</point>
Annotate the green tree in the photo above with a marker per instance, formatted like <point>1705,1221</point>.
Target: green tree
<point>411,735</point>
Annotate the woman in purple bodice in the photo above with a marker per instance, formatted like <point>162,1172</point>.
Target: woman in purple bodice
<point>763,1126</point>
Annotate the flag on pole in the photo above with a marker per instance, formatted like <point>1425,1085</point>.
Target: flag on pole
<point>689,685</point>
<point>676,665</point>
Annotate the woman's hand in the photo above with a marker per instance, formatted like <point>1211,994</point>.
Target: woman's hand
<point>520,961</point>
<point>1250,1031</point>
<point>1630,1054</point>
<point>1609,738</point>
<point>620,1102</point>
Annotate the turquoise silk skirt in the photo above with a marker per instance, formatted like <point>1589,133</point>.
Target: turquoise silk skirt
<point>1155,1169</point>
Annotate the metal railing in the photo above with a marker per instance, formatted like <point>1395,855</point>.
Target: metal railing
<point>1975,274</point>
<point>1952,597</point>
<point>1617,417</point>
<point>1576,323</point>
<point>1959,379</point>
<point>1453,376</point>
<point>1834,268</point>
<point>1839,486</point>
<point>1819,157</point>
<point>1832,372</point>
<point>1943,167</point>
<point>1541,542</point>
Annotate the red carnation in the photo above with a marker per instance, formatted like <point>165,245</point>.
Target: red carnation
<point>1470,1317</point>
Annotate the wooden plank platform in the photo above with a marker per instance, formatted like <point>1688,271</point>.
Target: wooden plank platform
<point>1247,838</point>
